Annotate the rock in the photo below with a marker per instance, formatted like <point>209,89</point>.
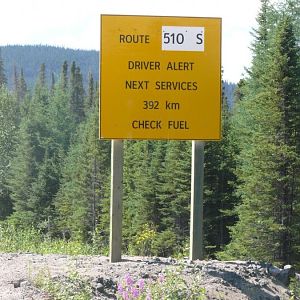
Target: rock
<point>273,271</point>
<point>99,288</point>
<point>282,275</point>
<point>263,282</point>
<point>145,275</point>
<point>171,260</point>
<point>287,267</point>
<point>285,274</point>
<point>17,283</point>
<point>24,284</point>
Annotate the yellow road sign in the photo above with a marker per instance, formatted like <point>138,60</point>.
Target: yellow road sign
<point>160,78</point>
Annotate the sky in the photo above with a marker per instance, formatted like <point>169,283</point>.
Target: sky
<point>76,23</point>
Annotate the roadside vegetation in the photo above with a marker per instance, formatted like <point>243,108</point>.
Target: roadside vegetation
<point>55,172</point>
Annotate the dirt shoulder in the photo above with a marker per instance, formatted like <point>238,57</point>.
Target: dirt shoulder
<point>222,280</point>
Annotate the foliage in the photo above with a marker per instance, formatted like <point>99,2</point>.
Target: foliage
<point>55,173</point>
<point>294,287</point>
<point>142,244</point>
<point>73,286</point>
<point>265,131</point>
<point>31,57</point>
<point>13,239</point>
<point>170,285</point>
<point>9,123</point>
<point>3,80</point>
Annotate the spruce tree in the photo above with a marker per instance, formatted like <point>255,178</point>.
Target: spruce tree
<point>64,76</point>
<point>3,80</point>
<point>284,77</point>
<point>31,179</point>
<point>76,94</point>
<point>266,128</point>
<point>41,93</point>
<point>16,81</point>
<point>22,86</point>
<point>79,202</point>
<point>9,122</point>
<point>219,194</point>
<point>175,195</point>
<point>90,97</point>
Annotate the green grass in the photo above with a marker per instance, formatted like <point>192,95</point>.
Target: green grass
<point>14,239</point>
<point>73,286</point>
<point>294,288</point>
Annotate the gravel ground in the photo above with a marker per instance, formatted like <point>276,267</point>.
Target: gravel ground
<point>236,280</point>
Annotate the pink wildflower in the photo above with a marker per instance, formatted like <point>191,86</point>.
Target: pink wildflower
<point>128,280</point>
<point>125,295</point>
<point>120,288</point>
<point>135,292</point>
<point>148,297</point>
<point>141,284</point>
<point>161,278</point>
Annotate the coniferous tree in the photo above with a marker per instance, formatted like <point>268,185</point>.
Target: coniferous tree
<point>64,76</point>
<point>22,86</point>
<point>142,176</point>
<point>284,80</point>
<point>266,21</point>
<point>52,83</point>
<point>219,195</point>
<point>266,126</point>
<point>76,94</point>
<point>41,81</point>
<point>84,183</point>
<point>33,178</point>
<point>41,93</point>
<point>175,195</point>
<point>9,122</point>
<point>90,99</point>
<point>3,80</point>
<point>16,81</point>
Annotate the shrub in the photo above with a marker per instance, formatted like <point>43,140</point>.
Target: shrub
<point>15,239</point>
<point>294,287</point>
<point>142,243</point>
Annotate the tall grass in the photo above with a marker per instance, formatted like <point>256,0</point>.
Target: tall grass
<point>13,239</point>
<point>73,286</point>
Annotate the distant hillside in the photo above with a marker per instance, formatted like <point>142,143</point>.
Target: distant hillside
<point>31,57</point>
<point>229,89</point>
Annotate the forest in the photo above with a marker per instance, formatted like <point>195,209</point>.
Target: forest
<point>30,57</point>
<point>55,172</point>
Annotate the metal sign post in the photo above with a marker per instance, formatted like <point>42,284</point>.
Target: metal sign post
<point>196,226</point>
<point>116,200</point>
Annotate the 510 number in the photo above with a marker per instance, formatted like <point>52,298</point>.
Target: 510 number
<point>173,38</point>
<point>178,38</point>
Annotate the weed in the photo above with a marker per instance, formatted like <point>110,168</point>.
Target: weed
<point>13,239</point>
<point>294,287</point>
<point>168,286</point>
<point>73,286</point>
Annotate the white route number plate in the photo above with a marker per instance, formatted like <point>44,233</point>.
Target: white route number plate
<point>180,38</point>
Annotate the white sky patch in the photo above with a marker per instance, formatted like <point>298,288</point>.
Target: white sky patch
<point>76,23</point>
